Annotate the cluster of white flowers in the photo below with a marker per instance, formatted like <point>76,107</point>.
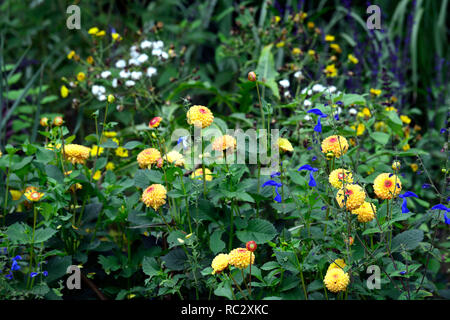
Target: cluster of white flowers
<point>320,88</point>
<point>99,92</point>
<point>284,83</point>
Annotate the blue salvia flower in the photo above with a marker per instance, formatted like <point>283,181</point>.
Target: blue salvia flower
<point>33,274</point>
<point>45,273</point>
<point>317,112</point>
<point>275,174</point>
<point>9,276</point>
<point>312,182</point>
<point>443,130</point>
<point>276,185</point>
<point>15,266</point>
<point>183,141</point>
<point>407,194</point>
<point>444,208</point>
<point>426,186</point>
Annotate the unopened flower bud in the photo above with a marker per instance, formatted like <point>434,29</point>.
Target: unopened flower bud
<point>251,76</point>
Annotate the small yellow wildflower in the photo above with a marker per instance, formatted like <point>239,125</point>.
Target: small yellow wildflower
<point>71,55</point>
<point>280,44</point>
<point>375,92</point>
<point>405,119</point>
<point>110,166</point>
<point>121,152</point>
<point>336,47</point>
<point>64,91</point>
<point>329,38</point>
<point>330,71</point>
<point>414,167</point>
<point>81,76</point>
<point>353,59</point>
<point>296,51</point>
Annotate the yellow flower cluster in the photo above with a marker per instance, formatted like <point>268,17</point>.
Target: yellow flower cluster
<point>284,145</point>
<point>351,197</point>
<point>199,173</point>
<point>148,157</point>
<point>336,279</point>
<point>220,263</point>
<point>76,153</point>
<point>387,186</point>
<point>223,143</point>
<point>337,145</point>
<point>199,116</point>
<point>366,212</point>
<point>241,258</point>
<point>154,196</point>
<point>175,158</point>
<point>337,177</point>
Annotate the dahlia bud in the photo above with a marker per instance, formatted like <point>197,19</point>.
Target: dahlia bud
<point>159,163</point>
<point>251,246</point>
<point>44,122</point>
<point>58,121</point>
<point>350,240</point>
<point>251,76</point>
<point>111,98</point>
<point>396,165</point>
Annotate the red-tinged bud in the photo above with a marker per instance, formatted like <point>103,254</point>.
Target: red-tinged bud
<point>159,163</point>
<point>154,123</point>
<point>251,76</point>
<point>251,246</point>
<point>58,121</point>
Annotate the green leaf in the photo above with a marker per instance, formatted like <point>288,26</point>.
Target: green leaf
<point>380,137</point>
<point>19,233</point>
<point>258,230</point>
<point>150,266</point>
<point>175,259</point>
<point>144,178</point>
<point>265,70</point>
<point>130,145</point>
<point>43,234</point>
<point>215,242</point>
<point>407,240</point>
<point>224,290</point>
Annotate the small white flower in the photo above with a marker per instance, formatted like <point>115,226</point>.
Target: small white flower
<point>353,111</point>
<point>298,74</point>
<point>284,83</point>
<point>156,52</point>
<point>151,71</point>
<point>142,58</point>
<point>307,103</point>
<point>134,54</point>
<point>133,48</point>
<point>105,74</point>
<point>307,117</point>
<point>158,44</point>
<point>318,88</point>
<point>130,83</point>
<point>95,90</point>
<point>146,44</point>
<point>308,92</point>
<point>102,97</point>
<point>339,110</point>
<point>133,62</point>
<point>287,94</point>
<point>165,55</point>
<point>124,74</point>
<point>121,64</point>
<point>136,75</point>
<point>114,83</point>
<point>331,89</point>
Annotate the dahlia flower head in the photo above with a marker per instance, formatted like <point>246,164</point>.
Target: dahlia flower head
<point>76,153</point>
<point>154,196</point>
<point>147,157</point>
<point>366,212</point>
<point>284,145</point>
<point>175,158</point>
<point>220,263</point>
<point>199,173</point>
<point>336,280</point>
<point>223,143</point>
<point>337,145</point>
<point>351,197</point>
<point>387,186</point>
<point>199,116</point>
<point>241,258</point>
<point>32,194</point>
<point>337,177</point>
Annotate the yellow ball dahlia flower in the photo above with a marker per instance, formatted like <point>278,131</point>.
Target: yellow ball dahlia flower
<point>338,263</point>
<point>366,212</point>
<point>241,258</point>
<point>339,176</point>
<point>175,158</point>
<point>76,153</point>
<point>148,157</point>
<point>336,280</point>
<point>337,145</point>
<point>200,116</point>
<point>220,263</point>
<point>351,197</point>
<point>387,186</point>
<point>154,196</point>
<point>223,143</point>
<point>284,145</point>
<point>199,173</point>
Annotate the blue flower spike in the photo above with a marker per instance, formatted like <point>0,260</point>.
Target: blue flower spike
<point>317,112</point>
<point>312,183</point>
<point>407,194</point>
<point>276,185</point>
<point>445,209</point>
